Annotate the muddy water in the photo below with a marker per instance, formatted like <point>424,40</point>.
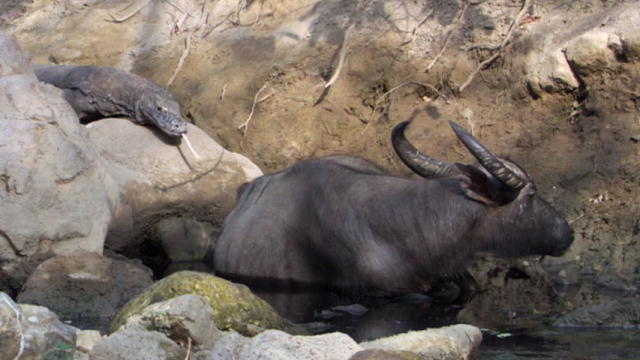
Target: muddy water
<point>573,344</point>
<point>385,317</point>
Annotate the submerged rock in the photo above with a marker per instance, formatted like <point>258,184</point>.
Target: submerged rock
<point>377,354</point>
<point>84,284</point>
<point>234,306</point>
<point>608,313</point>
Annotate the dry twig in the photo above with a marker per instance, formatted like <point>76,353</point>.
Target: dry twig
<point>342,56</point>
<point>525,6</point>
<point>415,28</point>
<point>124,18</point>
<point>182,59</point>
<point>448,37</point>
<point>224,91</point>
<point>404,83</point>
<point>245,125</point>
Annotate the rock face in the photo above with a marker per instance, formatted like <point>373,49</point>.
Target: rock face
<point>55,191</point>
<point>65,187</point>
<point>38,330</point>
<point>234,306</point>
<point>84,285</point>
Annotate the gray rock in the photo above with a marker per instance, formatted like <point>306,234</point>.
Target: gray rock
<point>37,335</point>
<point>163,180</point>
<point>591,52</point>
<point>182,317</point>
<point>377,354</point>
<point>551,73</point>
<point>84,284</point>
<point>447,343</point>
<point>184,239</point>
<point>277,345</point>
<point>87,339</point>
<point>353,309</point>
<point>607,313</point>
<point>48,168</point>
<point>136,342</point>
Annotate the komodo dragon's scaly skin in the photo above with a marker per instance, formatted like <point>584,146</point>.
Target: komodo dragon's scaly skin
<point>97,92</point>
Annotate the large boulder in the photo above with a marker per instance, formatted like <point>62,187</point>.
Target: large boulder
<point>164,179</point>
<point>64,186</point>
<point>234,306</point>
<point>84,285</point>
<point>55,191</point>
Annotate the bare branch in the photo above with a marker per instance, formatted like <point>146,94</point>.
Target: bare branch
<point>224,91</point>
<point>415,28</point>
<point>124,18</point>
<point>245,125</point>
<point>407,82</point>
<point>525,6</point>
<point>182,59</point>
<point>342,56</point>
<point>448,37</point>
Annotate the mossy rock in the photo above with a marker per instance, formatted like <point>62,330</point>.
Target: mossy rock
<point>234,306</point>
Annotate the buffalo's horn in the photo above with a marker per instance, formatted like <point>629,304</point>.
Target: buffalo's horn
<point>420,163</point>
<point>492,163</point>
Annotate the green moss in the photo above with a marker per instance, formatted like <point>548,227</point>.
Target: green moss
<point>234,306</point>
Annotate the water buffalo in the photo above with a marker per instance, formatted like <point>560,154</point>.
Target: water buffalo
<point>345,222</point>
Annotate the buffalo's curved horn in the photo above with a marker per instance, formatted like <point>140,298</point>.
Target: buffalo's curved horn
<point>420,163</point>
<point>502,171</point>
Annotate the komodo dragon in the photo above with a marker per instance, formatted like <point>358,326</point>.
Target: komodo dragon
<point>97,92</point>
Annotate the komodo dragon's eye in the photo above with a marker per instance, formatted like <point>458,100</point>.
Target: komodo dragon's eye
<point>162,108</point>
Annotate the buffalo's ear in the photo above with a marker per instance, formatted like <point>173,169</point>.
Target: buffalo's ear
<point>476,184</point>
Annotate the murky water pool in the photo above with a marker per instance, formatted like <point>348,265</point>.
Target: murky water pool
<point>369,318</point>
<point>385,317</point>
<point>571,344</point>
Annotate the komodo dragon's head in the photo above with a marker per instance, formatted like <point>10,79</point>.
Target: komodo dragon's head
<point>163,112</point>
